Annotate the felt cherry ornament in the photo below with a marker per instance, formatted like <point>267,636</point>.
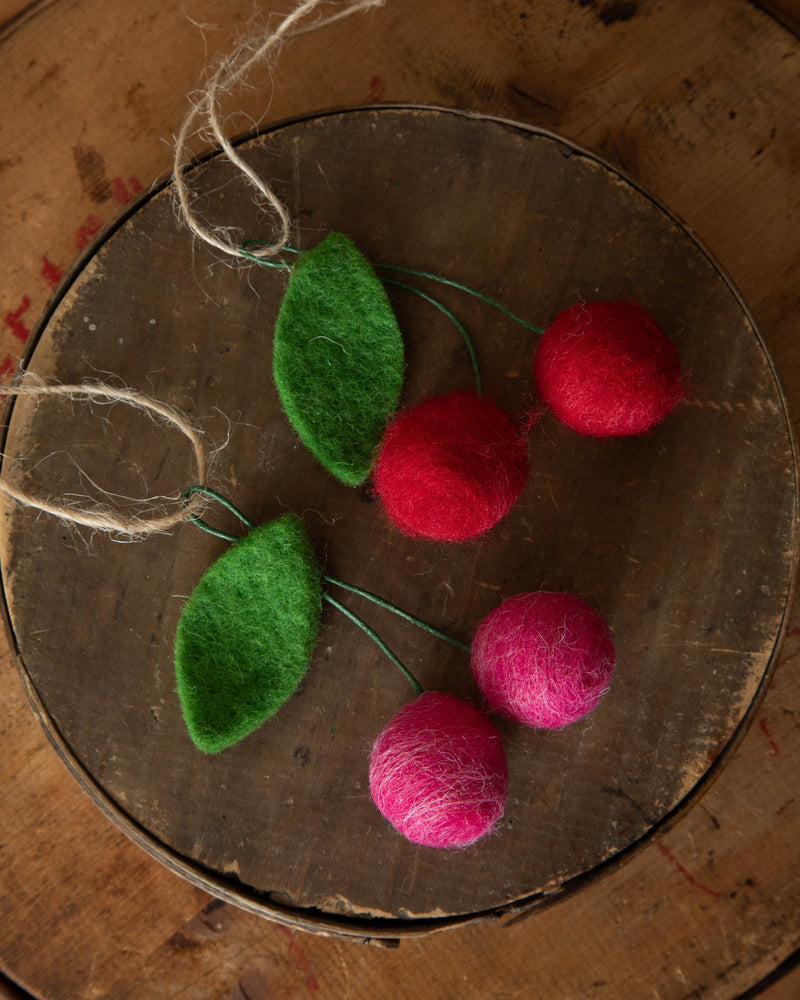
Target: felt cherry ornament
<point>438,772</point>
<point>544,659</point>
<point>607,369</point>
<point>449,468</point>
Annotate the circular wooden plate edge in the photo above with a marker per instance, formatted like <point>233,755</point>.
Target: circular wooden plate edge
<point>385,929</point>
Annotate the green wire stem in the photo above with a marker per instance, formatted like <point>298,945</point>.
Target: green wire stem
<point>399,612</point>
<point>279,265</point>
<point>412,680</point>
<point>207,491</point>
<point>263,260</point>
<point>463,288</point>
<point>453,319</point>
<point>430,275</point>
<point>283,266</point>
<point>196,519</point>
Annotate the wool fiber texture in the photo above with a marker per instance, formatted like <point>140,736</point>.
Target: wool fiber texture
<point>338,357</point>
<point>451,467</point>
<point>607,369</point>
<point>544,659</point>
<point>247,632</point>
<point>438,772</point>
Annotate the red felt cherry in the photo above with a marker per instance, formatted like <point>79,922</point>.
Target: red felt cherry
<point>607,369</point>
<point>451,467</point>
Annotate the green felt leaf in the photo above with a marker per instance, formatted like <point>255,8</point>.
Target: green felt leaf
<point>247,632</point>
<point>338,357</point>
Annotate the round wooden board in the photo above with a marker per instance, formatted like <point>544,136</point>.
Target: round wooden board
<point>684,539</point>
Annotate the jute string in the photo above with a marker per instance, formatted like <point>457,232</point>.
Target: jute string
<point>133,525</point>
<point>206,107</point>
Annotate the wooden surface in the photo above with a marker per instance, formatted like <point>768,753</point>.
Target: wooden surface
<point>671,535</point>
<point>700,106</point>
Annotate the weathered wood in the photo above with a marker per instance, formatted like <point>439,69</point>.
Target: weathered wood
<point>787,12</point>
<point>670,535</point>
<point>617,87</point>
<point>10,991</point>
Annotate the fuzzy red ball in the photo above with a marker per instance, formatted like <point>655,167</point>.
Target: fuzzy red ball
<point>438,772</point>
<point>607,369</point>
<point>451,467</point>
<point>544,659</point>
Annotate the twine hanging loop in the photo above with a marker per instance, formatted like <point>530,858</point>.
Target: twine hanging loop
<point>101,519</point>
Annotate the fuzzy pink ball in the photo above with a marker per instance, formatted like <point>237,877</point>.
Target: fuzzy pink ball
<point>438,772</point>
<point>544,659</point>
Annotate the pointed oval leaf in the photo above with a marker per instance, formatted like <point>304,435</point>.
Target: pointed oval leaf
<point>247,632</point>
<point>338,357</point>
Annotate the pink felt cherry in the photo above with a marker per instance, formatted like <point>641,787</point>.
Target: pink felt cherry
<point>544,659</point>
<point>438,772</point>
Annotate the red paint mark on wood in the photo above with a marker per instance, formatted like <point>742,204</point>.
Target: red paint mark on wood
<point>90,228</point>
<point>125,191</point>
<point>376,89</point>
<point>7,366</point>
<point>764,727</point>
<point>793,632</point>
<point>298,954</point>
<point>13,320</point>
<point>51,273</point>
<point>686,874</point>
<point>120,191</point>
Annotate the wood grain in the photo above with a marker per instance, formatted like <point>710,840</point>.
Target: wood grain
<point>670,535</point>
<point>787,12</point>
<point>619,88</point>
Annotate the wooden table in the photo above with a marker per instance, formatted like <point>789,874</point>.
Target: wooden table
<point>696,102</point>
